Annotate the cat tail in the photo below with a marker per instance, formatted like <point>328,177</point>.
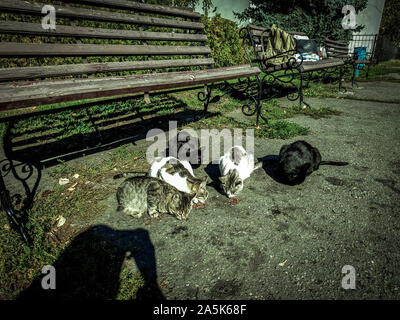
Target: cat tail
<point>334,163</point>
<point>129,174</point>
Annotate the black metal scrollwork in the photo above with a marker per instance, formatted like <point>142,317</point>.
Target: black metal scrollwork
<point>22,172</point>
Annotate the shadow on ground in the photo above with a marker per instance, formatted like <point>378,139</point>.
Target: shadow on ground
<point>90,267</point>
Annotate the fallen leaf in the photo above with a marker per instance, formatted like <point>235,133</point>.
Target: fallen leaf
<point>63,181</point>
<point>72,188</point>
<point>60,221</point>
<point>282,263</point>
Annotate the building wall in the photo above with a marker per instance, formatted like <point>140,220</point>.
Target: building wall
<point>371,16</point>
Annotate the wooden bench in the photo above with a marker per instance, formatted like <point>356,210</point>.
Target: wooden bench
<point>111,48</point>
<point>287,72</point>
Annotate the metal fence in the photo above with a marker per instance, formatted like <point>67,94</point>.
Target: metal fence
<point>368,41</point>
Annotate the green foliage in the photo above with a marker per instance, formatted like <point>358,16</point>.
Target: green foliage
<point>314,17</point>
<point>224,41</point>
<point>390,24</point>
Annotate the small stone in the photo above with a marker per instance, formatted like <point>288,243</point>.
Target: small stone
<point>76,176</point>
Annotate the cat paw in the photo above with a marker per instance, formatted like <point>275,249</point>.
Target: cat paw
<point>135,214</point>
<point>153,214</point>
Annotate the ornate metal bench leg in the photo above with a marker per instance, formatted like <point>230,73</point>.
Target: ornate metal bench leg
<point>340,78</point>
<point>8,208</point>
<point>205,95</point>
<point>353,79</point>
<point>258,101</point>
<point>301,96</point>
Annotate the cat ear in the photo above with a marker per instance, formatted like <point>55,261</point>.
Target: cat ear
<point>223,178</point>
<point>283,149</point>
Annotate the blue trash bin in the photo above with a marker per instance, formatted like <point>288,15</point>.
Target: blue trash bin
<point>360,53</point>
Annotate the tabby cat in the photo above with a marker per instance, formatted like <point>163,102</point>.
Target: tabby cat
<point>180,175</point>
<point>138,196</point>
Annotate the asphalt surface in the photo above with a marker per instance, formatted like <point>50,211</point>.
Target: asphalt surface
<point>280,241</point>
<point>291,242</point>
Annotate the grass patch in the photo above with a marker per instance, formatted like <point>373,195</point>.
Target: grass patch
<point>379,71</point>
<point>80,205</point>
<point>282,130</point>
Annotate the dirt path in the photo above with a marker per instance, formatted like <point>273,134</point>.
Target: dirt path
<point>283,242</point>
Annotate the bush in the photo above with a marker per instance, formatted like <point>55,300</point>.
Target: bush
<point>314,17</point>
<point>224,41</point>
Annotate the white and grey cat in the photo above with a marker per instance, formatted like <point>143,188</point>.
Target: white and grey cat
<point>138,196</point>
<point>179,174</point>
<point>235,166</point>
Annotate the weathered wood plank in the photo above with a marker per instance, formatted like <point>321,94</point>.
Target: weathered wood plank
<point>15,27</point>
<point>257,31</point>
<point>144,7</point>
<point>27,94</point>
<point>12,74</point>
<point>72,12</point>
<point>337,51</point>
<point>336,46</point>
<point>322,64</point>
<point>12,49</point>
<point>335,42</point>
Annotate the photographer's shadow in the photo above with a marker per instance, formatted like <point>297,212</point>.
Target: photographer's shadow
<point>90,267</point>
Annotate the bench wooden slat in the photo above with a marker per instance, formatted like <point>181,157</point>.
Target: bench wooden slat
<point>337,52</point>
<point>335,42</point>
<point>308,66</point>
<point>336,46</point>
<point>257,31</point>
<point>15,27</point>
<point>73,12</point>
<point>12,49</point>
<point>19,95</point>
<point>25,73</point>
<point>144,7</point>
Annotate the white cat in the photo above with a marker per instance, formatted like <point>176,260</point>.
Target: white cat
<point>235,166</point>
<point>179,173</point>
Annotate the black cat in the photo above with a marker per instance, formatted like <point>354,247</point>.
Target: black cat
<point>298,160</point>
<point>192,145</point>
